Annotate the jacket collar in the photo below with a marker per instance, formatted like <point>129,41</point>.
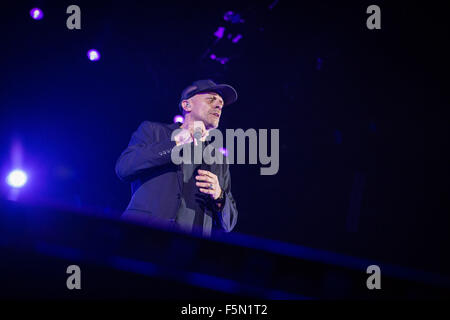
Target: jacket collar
<point>174,126</point>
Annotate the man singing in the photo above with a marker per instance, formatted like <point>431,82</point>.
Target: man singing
<point>191,197</point>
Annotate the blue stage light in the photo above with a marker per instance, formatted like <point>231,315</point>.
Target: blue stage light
<point>36,13</point>
<point>17,178</point>
<point>93,55</point>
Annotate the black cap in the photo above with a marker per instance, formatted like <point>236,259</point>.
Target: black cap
<point>227,92</point>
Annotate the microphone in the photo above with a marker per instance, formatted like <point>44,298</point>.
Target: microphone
<point>197,131</point>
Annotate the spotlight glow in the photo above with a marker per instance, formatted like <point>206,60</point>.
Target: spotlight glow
<point>36,13</point>
<point>17,178</point>
<point>224,151</point>
<point>233,17</point>
<point>93,55</point>
<point>222,60</point>
<point>237,38</point>
<point>227,16</point>
<point>178,118</point>
<point>219,32</point>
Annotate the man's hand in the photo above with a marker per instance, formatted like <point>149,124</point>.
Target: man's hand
<point>186,135</point>
<point>208,183</point>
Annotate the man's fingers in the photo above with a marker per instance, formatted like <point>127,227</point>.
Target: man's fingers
<point>203,184</point>
<point>205,178</point>
<point>207,173</point>
<point>208,191</point>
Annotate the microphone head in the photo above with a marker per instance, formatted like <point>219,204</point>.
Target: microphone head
<point>197,130</point>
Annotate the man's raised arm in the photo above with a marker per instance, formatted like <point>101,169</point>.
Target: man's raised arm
<point>143,152</point>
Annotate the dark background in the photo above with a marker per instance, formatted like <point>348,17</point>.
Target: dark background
<point>363,134</point>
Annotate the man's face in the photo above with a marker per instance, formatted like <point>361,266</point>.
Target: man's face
<point>207,107</point>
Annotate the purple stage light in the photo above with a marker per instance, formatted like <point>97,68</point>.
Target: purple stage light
<point>222,60</point>
<point>178,118</point>
<point>237,38</point>
<point>213,56</point>
<point>224,151</point>
<point>93,55</point>
<point>17,178</point>
<point>36,13</point>
<point>219,32</point>
<point>233,17</point>
<point>227,15</point>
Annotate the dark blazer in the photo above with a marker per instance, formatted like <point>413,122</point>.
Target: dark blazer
<point>156,182</point>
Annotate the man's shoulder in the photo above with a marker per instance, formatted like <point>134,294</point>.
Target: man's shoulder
<point>147,125</point>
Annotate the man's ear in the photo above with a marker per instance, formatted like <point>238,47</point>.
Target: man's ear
<point>186,105</point>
